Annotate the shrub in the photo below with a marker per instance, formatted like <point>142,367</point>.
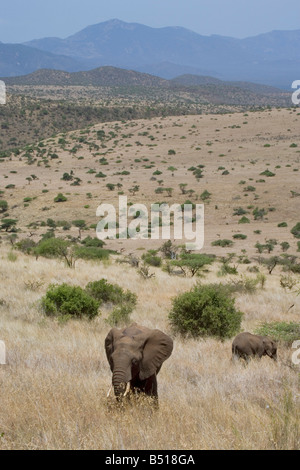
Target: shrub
<point>280,331</point>
<point>296,230</point>
<point>119,315</point>
<point>26,245</point>
<point>205,195</point>
<point>60,198</point>
<point>239,236</point>
<point>103,291</point>
<point>71,301</point>
<point>95,242</point>
<point>245,284</point>
<point>91,253</point>
<point>244,220</point>
<point>267,173</point>
<point>151,258</point>
<point>239,211</point>
<point>206,311</point>
<point>223,243</point>
<point>282,224</point>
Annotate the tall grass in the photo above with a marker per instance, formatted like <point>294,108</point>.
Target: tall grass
<point>53,388</point>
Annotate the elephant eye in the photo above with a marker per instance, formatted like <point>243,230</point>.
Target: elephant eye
<point>134,362</point>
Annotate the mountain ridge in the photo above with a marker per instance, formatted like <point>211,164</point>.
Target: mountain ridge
<point>114,76</point>
<point>269,58</point>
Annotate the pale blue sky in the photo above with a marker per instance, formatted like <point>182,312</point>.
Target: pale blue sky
<point>23,20</point>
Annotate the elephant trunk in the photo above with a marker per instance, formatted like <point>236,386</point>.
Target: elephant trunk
<point>120,384</point>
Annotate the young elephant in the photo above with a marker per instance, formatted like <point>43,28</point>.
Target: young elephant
<point>246,345</point>
<point>135,355</point>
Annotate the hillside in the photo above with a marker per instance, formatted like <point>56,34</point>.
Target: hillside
<point>234,149</point>
<point>102,76</point>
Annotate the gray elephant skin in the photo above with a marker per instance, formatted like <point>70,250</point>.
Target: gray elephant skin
<point>135,355</point>
<point>246,346</point>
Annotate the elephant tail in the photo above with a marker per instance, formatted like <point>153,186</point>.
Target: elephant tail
<point>235,353</point>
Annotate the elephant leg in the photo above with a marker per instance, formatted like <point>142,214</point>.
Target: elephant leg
<point>151,386</point>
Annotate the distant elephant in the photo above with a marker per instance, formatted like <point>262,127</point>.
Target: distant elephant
<point>135,355</point>
<point>246,345</point>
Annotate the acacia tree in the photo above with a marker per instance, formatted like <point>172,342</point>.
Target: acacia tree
<point>3,206</point>
<point>80,224</point>
<point>56,248</point>
<point>8,225</point>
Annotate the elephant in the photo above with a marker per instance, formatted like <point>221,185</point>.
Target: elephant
<point>135,355</point>
<point>246,345</point>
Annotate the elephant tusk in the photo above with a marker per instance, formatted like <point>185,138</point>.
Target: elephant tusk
<point>127,389</point>
<point>109,392</point>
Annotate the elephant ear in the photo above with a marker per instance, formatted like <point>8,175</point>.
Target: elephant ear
<point>157,348</point>
<point>110,339</point>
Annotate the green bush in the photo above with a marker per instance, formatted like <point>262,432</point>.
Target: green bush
<point>91,253</point>
<point>282,224</point>
<point>60,198</point>
<point>26,245</point>
<point>119,315</point>
<point>71,301</point>
<point>223,243</point>
<point>151,258</point>
<point>296,230</point>
<point>104,291</point>
<point>124,301</point>
<point>239,236</point>
<point>206,310</point>
<point>244,220</point>
<point>193,263</point>
<point>280,331</point>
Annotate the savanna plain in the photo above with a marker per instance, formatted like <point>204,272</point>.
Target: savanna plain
<point>244,167</point>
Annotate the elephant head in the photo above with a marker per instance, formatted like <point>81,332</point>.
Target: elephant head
<point>270,347</point>
<point>135,355</point>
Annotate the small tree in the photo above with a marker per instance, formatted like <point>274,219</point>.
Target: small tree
<point>192,263</point>
<point>9,225</point>
<point>3,206</point>
<point>56,248</point>
<point>80,224</point>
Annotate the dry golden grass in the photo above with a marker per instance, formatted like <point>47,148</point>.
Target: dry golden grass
<point>53,389</point>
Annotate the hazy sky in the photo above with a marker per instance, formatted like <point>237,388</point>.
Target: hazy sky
<point>22,20</point>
